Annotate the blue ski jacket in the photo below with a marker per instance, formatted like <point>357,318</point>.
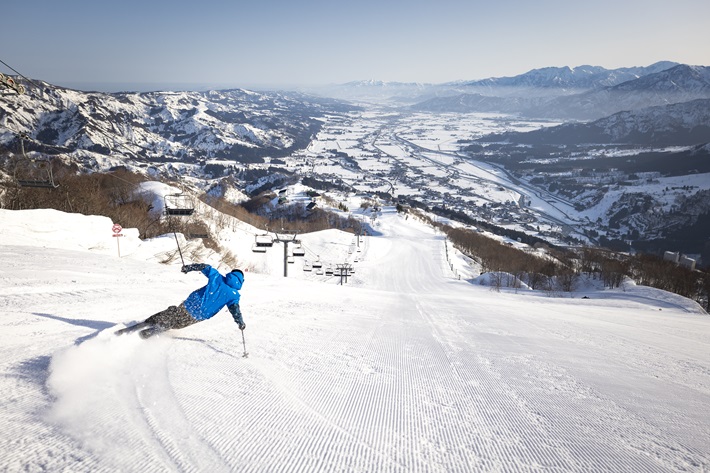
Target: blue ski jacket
<point>220,291</point>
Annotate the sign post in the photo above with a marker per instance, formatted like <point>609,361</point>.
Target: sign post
<point>117,233</point>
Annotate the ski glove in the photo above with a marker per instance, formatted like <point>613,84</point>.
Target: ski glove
<point>193,267</point>
<point>237,315</point>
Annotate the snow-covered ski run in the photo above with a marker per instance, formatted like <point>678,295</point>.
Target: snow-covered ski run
<point>404,369</point>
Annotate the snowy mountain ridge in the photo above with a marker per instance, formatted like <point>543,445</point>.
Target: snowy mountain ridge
<point>680,124</point>
<point>681,83</point>
<point>580,77</point>
<point>235,124</point>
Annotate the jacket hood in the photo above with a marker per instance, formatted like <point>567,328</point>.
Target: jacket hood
<point>234,280</point>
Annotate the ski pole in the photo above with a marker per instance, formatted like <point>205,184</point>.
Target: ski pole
<point>178,245</point>
<point>245,355</point>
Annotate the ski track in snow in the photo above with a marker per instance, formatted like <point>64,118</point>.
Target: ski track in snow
<point>405,370</point>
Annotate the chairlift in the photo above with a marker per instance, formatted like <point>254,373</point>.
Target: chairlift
<point>179,205</point>
<point>35,173</point>
<point>317,264</point>
<point>197,236</point>
<point>290,260</point>
<point>299,251</point>
<point>329,271</point>
<point>258,249</point>
<point>307,267</point>
<point>264,241</point>
<point>197,231</point>
<point>10,83</point>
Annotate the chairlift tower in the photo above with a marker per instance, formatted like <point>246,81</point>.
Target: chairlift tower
<point>344,269</point>
<point>286,240</point>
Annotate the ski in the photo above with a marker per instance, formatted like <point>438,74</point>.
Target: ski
<point>132,328</point>
<point>151,331</point>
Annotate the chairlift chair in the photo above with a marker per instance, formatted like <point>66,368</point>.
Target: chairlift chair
<point>179,205</point>
<point>35,173</point>
<point>10,83</point>
<point>299,251</point>
<point>262,243</point>
<point>197,236</point>
<point>265,240</point>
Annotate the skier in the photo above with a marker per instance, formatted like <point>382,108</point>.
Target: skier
<point>200,305</point>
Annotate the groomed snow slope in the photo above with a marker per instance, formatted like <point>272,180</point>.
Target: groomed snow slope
<point>405,369</point>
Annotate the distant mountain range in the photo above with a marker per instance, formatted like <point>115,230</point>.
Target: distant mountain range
<point>681,124</point>
<point>680,83</point>
<point>581,77</point>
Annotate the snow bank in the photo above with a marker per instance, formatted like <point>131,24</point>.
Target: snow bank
<point>54,229</point>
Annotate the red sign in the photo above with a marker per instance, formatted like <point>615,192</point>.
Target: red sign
<point>117,228</point>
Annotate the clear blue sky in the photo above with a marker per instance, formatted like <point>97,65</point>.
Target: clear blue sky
<point>276,43</point>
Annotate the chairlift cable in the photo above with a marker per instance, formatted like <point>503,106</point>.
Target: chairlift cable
<point>20,74</point>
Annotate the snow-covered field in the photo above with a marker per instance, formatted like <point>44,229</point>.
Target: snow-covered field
<point>405,368</point>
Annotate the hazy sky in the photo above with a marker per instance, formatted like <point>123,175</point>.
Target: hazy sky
<point>276,43</point>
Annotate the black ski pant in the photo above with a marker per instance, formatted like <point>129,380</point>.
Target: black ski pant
<point>174,317</point>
